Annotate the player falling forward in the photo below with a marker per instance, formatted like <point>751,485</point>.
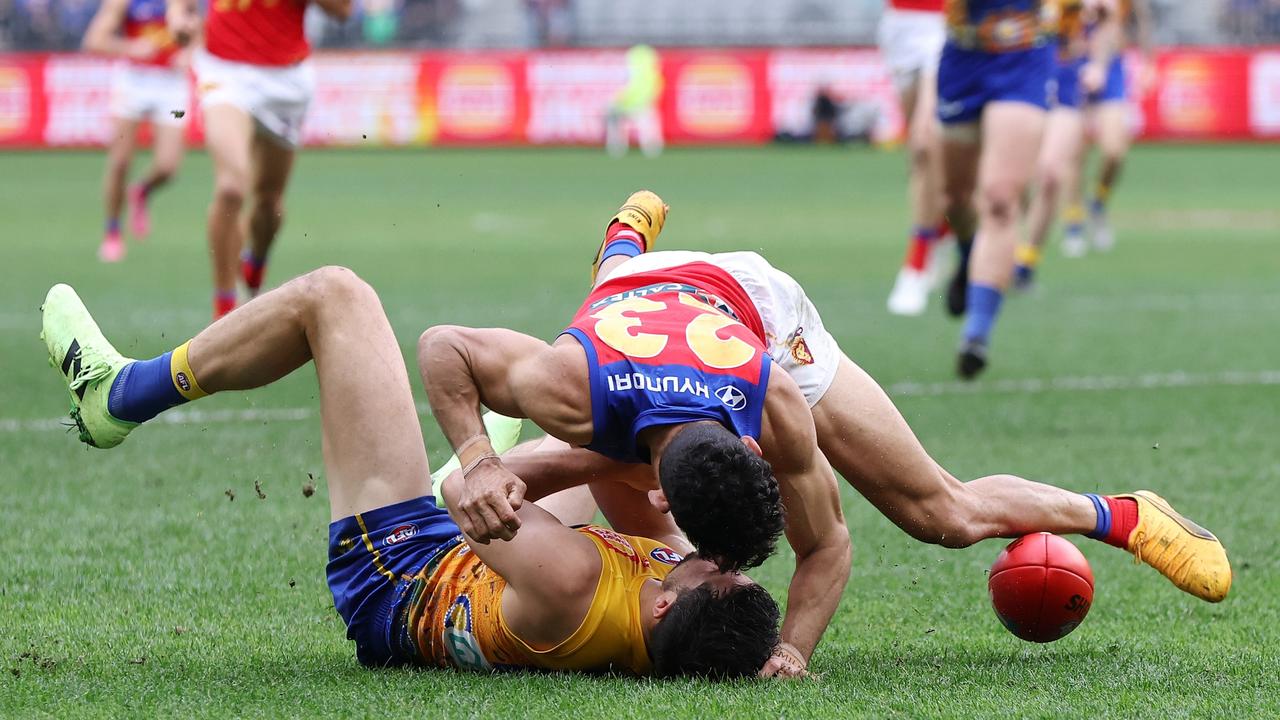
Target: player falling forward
<point>991,101</point>
<point>911,36</point>
<point>255,84</point>
<point>149,83</point>
<point>1087,39</point>
<point>717,370</point>
<point>410,588</point>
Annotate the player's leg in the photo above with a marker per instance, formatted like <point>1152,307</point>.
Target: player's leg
<point>615,131</point>
<point>1056,172</point>
<point>870,444</point>
<point>229,133</point>
<point>961,150</point>
<point>166,155</point>
<point>1011,134</point>
<point>372,443</point>
<point>630,232</point>
<point>924,144</point>
<point>1111,123</point>
<point>272,165</point>
<point>124,132</point>
<point>649,131</point>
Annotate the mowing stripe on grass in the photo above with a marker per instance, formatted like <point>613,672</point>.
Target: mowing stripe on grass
<point>1030,386</point>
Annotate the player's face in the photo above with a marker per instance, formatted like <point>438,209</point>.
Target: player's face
<point>694,572</point>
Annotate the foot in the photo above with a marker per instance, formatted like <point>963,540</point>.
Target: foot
<point>1190,556</point>
<point>935,268</point>
<point>1074,243</point>
<point>645,213</point>
<point>112,248</point>
<point>958,291</point>
<point>971,360</point>
<point>139,218</point>
<point>89,366</point>
<point>1103,238</point>
<point>910,294</point>
<point>504,433</point>
<point>252,274</point>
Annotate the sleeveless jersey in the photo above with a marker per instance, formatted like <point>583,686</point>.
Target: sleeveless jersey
<point>454,614</point>
<point>257,32</point>
<point>145,19</point>
<point>998,25</point>
<point>672,346</point>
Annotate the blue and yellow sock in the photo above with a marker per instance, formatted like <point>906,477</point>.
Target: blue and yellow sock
<point>1073,219</point>
<point>113,226</point>
<point>981,308</point>
<point>1101,193</point>
<point>146,388</point>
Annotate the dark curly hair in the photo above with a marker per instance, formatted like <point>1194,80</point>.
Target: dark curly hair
<point>725,636</point>
<point>722,495</point>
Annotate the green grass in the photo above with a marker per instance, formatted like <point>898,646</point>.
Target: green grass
<point>131,585</point>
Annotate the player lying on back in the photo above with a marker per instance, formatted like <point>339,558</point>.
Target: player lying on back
<point>410,587</point>
<point>717,369</point>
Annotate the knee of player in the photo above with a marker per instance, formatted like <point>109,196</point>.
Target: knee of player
<point>943,519</point>
<point>337,284</point>
<point>1050,178</point>
<point>228,191</point>
<point>1000,200</point>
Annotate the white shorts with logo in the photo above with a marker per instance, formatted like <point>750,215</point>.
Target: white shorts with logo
<point>275,97</point>
<point>797,340</point>
<point>149,92</point>
<point>911,42</point>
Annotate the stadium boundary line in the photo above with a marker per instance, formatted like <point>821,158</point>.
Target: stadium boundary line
<point>1029,386</point>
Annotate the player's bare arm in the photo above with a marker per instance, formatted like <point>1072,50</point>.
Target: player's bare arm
<point>102,35</point>
<point>513,374</point>
<point>815,522</point>
<point>551,571</point>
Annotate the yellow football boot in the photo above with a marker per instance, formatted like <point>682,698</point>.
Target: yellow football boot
<point>1190,556</point>
<point>645,212</point>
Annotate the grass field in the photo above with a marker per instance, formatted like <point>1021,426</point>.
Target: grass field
<point>132,585</point>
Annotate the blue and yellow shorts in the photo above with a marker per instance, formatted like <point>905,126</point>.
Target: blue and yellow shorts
<point>373,558</point>
<point>1114,89</point>
<point>1066,90</point>
<point>969,79</point>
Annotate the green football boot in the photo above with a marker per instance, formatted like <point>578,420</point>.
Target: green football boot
<point>88,365</point>
<point>503,432</point>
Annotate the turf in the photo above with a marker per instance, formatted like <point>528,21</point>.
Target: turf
<point>133,584</point>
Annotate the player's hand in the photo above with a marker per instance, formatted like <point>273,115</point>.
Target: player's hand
<point>487,506</point>
<point>1092,77</point>
<point>787,662</point>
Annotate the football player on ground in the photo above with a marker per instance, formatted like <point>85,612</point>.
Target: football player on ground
<point>410,587</point>
<point>991,100</point>
<point>149,83</point>
<point>1088,37</point>
<point>255,84</point>
<point>911,36</point>
<point>717,370</point>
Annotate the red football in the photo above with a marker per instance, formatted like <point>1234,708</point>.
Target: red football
<point>1041,587</point>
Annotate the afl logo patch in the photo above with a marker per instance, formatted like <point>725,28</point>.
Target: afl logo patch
<point>183,382</point>
<point>401,533</point>
<point>666,556</point>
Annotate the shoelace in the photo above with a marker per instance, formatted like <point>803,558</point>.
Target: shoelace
<point>94,366</point>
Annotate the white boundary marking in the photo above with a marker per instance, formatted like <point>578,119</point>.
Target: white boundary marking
<point>1031,386</point>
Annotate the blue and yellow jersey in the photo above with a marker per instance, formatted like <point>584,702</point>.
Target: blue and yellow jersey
<point>1071,28</point>
<point>455,611</point>
<point>998,25</point>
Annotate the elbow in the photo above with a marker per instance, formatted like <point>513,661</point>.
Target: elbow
<point>432,341</point>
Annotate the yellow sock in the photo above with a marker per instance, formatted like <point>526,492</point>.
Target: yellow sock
<point>1101,192</point>
<point>183,377</point>
<point>1073,214</point>
<point>1028,255</point>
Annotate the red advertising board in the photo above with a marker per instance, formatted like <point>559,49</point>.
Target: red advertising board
<point>561,97</point>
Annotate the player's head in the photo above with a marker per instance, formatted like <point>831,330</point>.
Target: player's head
<point>711,623</point>
<point>722,494</point>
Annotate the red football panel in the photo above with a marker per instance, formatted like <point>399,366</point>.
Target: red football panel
<point>1016,596</point>
<point>1062,553</point>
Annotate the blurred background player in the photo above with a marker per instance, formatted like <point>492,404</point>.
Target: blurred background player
<point>1107,116</point>
<point>255,84</point>
<point>149,83</point>
<point>1088,37</point>
<point>911,36</point>
<point>992,80</point>
<point>635,108</point>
